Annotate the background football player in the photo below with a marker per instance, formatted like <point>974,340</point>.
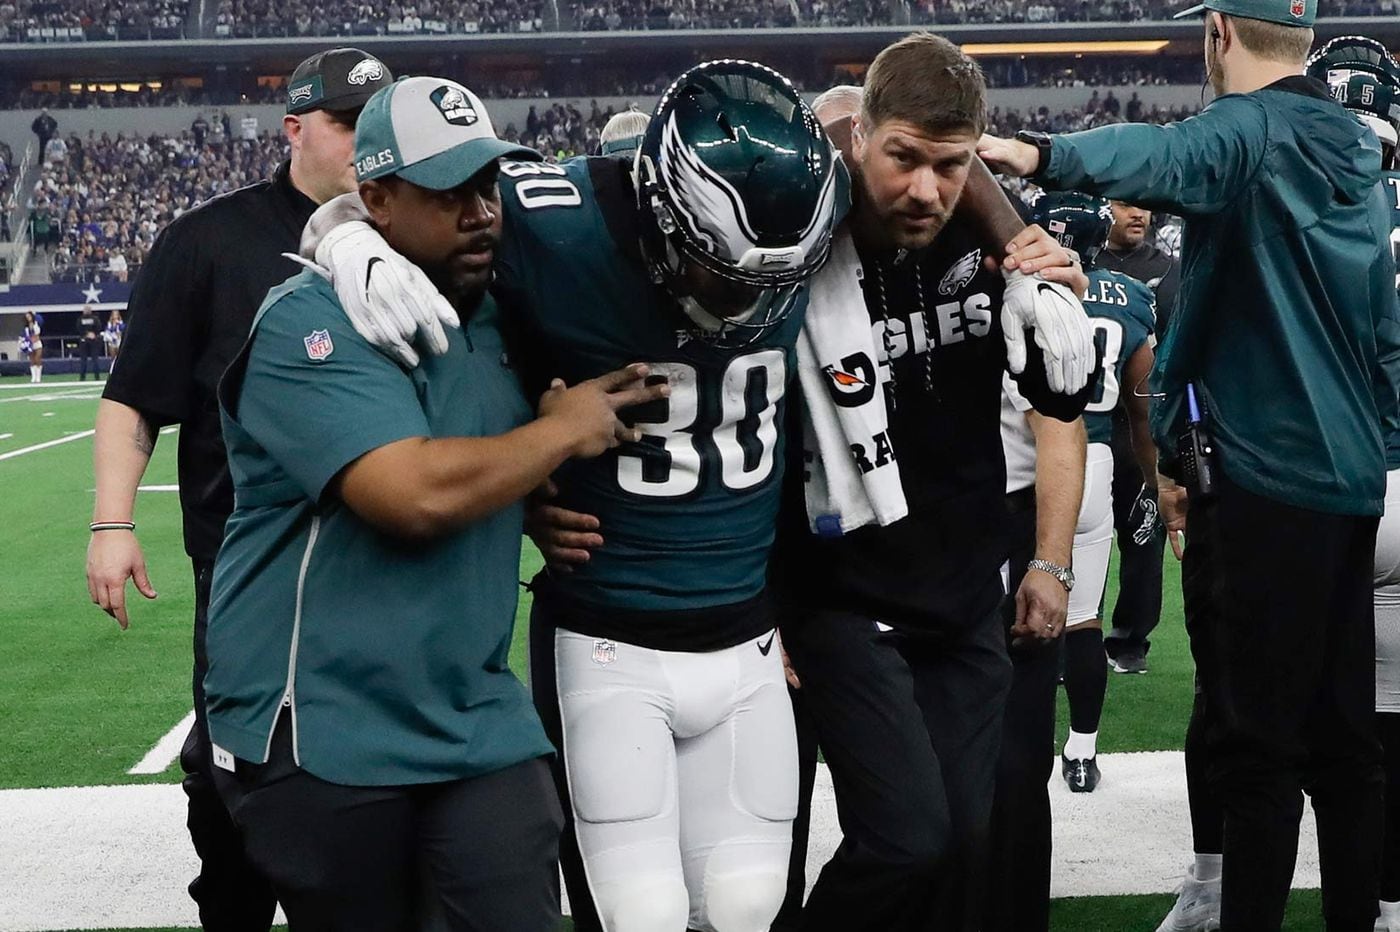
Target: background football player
<point>1121,309</point>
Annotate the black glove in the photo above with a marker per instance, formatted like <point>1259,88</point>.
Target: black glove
<point>1143,517</point>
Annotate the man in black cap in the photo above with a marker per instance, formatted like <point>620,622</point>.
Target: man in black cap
<point>190,312</point>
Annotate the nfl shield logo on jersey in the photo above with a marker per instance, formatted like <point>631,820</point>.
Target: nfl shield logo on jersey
<point>604,652</point>
<point>318,345</point>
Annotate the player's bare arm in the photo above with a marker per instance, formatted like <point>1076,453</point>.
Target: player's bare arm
<point>122,448</point>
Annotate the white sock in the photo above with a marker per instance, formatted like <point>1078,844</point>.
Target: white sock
<point>1208,867</point>
<point>33,373</point>
<point>1080,747</point>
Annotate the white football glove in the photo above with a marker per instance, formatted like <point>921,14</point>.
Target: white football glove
<point>388,300</point>
<point>1062,330</point>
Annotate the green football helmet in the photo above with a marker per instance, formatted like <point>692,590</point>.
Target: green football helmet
<point>738,189</point>
<point>1363,77</point>
<point>1078,221</point>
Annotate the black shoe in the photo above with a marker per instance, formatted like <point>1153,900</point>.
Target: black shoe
<point>1081,775</point>
<point>1128,663</point>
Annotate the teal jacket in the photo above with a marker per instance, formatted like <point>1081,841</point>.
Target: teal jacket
<point>1286,320</point>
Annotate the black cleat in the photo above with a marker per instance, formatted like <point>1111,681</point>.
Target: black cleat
<point>1081,775</point>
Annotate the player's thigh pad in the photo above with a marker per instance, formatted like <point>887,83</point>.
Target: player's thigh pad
<point>616,706</point>
<point>1093,536</point>
<point>738,794</point>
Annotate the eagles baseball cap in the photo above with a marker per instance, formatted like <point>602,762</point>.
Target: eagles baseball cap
<point>1284,12</point>
<point>336,79</point>
<point>430,131</point>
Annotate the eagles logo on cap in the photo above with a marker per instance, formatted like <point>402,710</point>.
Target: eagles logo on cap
<point>454,106</point>
<point>367,70</point>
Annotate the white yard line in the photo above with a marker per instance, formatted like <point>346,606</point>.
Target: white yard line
<point>159,758</point>
<point>166,431</point>
<point>156,488</point>
<point>44,446</point>
<point>119,856</point>
<point>6,436</point>
<point>80,395</point>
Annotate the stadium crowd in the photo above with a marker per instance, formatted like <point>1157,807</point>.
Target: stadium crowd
<point>96,210</point>
<point>69,20</point>
<point>100,201</point>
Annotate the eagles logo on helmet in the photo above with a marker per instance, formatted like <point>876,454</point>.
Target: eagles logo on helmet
<point>738,189</point>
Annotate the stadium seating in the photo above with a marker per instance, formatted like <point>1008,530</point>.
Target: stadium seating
<point>72,20</point>
<point>80,20</point>
<point>113,196</point>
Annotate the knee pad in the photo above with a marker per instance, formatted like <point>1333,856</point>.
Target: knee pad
<point>643,904</point>
<point>743,902</point>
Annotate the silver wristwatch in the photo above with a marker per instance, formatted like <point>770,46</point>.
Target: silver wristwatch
<point>1063,573</point>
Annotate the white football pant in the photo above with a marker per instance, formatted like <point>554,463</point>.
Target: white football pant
<point>1093,536</point>
<point>1387,599</point>
<point>682,775</point>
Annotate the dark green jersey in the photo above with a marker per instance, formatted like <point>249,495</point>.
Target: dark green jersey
<point>1390,183</point>
<point>687,515</point>
<point>1287,312</point>
<point>1122,310</point>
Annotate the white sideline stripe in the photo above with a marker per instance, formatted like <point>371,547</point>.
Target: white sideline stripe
<point>160,757</point>
<point>6,436</point>
<point>157,488</point>
<point>168,430</point>
<point>82,394</point>
<point>108,857</point>
<point>44,446</point>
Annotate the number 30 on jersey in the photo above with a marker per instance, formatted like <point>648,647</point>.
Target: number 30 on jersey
<point>713,425</point>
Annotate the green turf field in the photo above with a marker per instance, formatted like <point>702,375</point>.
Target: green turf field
<point>82,701</point>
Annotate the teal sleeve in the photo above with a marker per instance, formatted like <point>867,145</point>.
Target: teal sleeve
<point>312,417</point>
<point>1196,166</point>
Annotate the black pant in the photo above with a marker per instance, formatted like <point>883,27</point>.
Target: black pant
<point>361,857</point>
<point>1388,724</point>
<point>232,895</point>
<point>1018,888</point>
<point>790,916</point>
<point>1279,611</point>
<point>1139,605</point>
<point>88,351</point>
<point>909,724</point>
<point>544,688</point>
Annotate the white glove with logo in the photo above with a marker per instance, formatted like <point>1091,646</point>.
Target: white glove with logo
<point>389,301</point>
<point>1062,330</point>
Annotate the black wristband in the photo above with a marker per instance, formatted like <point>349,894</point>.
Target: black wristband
<point>1041,141</point>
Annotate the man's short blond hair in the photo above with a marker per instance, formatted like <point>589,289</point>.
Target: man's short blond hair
<point>1274,41</point>
<point>843,100</point>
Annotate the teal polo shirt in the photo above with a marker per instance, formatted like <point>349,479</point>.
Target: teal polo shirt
<point>389,655</point>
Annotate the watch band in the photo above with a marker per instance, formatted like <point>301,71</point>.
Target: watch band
<point>1042,144</point>
<point>1062,573</point>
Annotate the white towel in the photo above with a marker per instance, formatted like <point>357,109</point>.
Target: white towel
<point>852,477</point>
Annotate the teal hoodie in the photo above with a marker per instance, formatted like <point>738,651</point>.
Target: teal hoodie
<point>1287,318</point>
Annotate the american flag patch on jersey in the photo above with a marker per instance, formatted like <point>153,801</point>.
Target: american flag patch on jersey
<point>318,345</point>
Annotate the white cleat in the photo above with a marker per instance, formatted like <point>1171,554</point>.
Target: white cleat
<point>1197,906</point>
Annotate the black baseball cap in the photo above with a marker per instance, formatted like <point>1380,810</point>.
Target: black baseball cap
<point>336,79</point>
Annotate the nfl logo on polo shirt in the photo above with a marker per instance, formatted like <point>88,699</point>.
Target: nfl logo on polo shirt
<point>318,345</point>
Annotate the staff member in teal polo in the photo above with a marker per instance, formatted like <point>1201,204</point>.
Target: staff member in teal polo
<point>366,727</point>
<point>1281,350</point>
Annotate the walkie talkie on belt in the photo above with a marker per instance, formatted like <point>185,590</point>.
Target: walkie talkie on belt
<point>1196,452</point>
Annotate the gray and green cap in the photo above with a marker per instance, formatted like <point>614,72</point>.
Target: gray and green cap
<point>1283,12</point>
<point>430,131</point>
